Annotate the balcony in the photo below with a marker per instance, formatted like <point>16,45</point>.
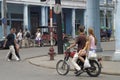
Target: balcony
<point>80,4</point>
<point>108,4</point>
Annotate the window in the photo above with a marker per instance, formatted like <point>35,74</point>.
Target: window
<point>16,16</point>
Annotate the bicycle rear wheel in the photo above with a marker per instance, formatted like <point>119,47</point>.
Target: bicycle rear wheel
<point>62,67</point>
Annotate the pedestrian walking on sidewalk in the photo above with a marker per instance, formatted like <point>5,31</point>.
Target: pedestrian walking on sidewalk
<point>11,42</point>
<point>16,48</point>
<point>109,32</point>
<point>19,38</point>
<point>27,36</point>
<point>38,37</point>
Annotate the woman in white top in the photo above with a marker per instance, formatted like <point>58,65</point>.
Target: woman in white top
<point>90,45</point>
<point>38,37</point>
<point>92,40</point>
<point>19,37</point>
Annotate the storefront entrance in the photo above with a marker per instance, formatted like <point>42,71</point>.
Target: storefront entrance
<point>34,21</point>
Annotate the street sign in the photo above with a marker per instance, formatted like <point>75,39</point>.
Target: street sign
<point>57,9</point>
<point>4,20</point>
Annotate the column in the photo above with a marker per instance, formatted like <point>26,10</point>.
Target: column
<point>113,16</point>
<point>105,18</point>
<point>43,14</point>
<point>116,56</point>
<point>25,14</point>
<point>93,19</point>
<point>105,13</point>
<point>4,18</point>
<point>73,23</point>
<point>46,16</point>
<point>85,19</point>
<point>43,18</point>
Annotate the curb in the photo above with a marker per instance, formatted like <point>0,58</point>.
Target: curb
<point>41,65</point>
<point>106,58</point>
<point>34,57</point>
<point>117,74</point>
<point>102,72</point>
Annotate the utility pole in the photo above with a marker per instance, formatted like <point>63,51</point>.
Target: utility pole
<point>4,17</point>
<point>51,24</point>
<point>59,29</point>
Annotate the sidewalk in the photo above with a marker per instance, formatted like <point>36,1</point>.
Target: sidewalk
<point>109,67</point>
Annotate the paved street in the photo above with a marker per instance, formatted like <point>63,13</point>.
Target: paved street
<point>23,70</point>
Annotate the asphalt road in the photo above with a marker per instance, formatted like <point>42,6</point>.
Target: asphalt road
<point>25,71</point>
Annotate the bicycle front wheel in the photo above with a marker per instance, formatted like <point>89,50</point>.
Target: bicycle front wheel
<point>62,67</point>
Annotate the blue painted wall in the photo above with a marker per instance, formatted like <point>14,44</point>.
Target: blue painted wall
<point>68,15</point>
<point>11,8</point>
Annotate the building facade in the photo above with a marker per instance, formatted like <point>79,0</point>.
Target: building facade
<point>32,14</point>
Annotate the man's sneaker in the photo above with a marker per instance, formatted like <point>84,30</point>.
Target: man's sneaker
<point>8,59</point>
<point>79,72</point>
<point>18,59</point>
<point>75,71</point>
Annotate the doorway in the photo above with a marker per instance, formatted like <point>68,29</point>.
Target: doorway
<point>34,20</point>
